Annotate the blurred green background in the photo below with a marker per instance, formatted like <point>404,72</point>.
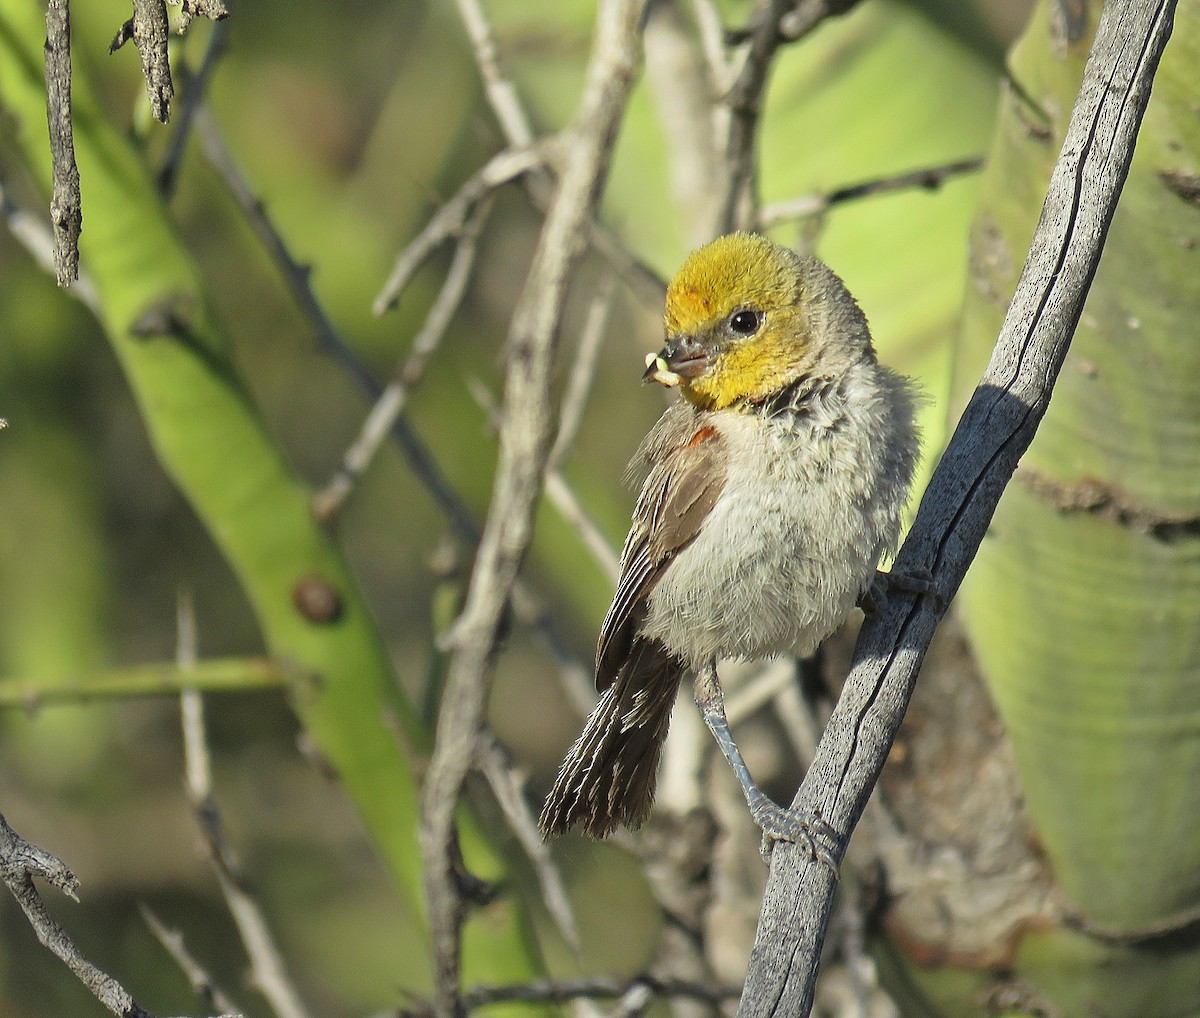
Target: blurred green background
<point>353,122</point>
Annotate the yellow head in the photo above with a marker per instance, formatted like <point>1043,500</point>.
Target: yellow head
<point>746,317</point>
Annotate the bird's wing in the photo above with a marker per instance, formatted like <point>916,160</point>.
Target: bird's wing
<point>679,492</point>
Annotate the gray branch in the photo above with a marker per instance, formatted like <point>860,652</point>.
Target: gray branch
<point>149,28</point>
<point>525,434</point>
<point>66,204</point>
<point>996,428</point>
<point>20,862</point>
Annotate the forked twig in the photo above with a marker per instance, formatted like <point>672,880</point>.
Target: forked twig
<point>778,22</point>
<point>20,862</point>
<point>451,219</point>
<point>386,410</point>
<point>514,122</point>
<point>148,29</point>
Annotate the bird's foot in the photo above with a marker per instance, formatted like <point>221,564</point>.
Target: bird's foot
<point>919,582</point>
<point>779,824</point>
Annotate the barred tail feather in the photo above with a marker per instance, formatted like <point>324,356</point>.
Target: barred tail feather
<point>609,776</point>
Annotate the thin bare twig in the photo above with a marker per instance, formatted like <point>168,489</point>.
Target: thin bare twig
<point>525,435</point>
<point>382,418</point>
<point>203,984</point>
<point>564,499</point>
<point>577,678</point>
<point>450,220</point>
<point>797,22</point>
<point>737,207</point>
<point>649,286</point>
<point>66,202</point>
<point>501,92</point>
<point>996,428</point>
<point>583,372</point>
<point>779,21</point>
<point>193,94</point>
<point>266,963</point>
<point>930,179</point>
<point>562,496</point>
<point>508,787</point>
<point>514,123</point>
<point>806,15</point>
<point>297,278</point>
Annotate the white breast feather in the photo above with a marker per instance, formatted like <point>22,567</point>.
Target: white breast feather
<point>795,537</point>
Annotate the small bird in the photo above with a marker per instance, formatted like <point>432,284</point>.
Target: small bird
<point>772,489</point>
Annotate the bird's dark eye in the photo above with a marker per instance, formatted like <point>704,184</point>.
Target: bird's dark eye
<point>745,322</point>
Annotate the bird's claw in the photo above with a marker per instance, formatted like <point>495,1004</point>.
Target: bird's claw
<point>809,830</point>
<point>919,582</point>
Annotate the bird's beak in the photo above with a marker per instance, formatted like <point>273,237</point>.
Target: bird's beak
<point>680,360</point>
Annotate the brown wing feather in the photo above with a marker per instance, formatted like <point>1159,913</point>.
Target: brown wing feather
<point>680,490</point>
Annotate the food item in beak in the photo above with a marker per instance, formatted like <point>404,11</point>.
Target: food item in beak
<point>657,370</point>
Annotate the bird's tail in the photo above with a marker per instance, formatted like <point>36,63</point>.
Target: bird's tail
<point>609,775</point>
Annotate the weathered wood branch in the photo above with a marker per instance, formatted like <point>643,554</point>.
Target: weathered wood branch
<point>996,428</point>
